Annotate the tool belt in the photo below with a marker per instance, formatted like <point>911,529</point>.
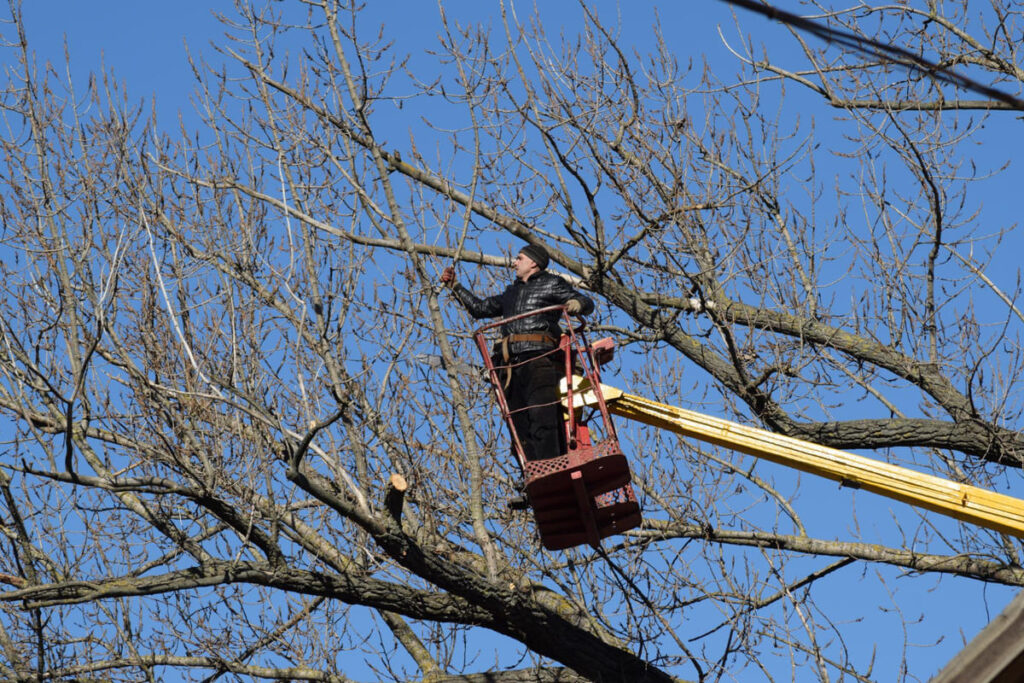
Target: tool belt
<point>501,349</point>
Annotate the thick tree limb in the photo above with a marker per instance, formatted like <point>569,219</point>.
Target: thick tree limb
<point>357,590</point>
<point>958,565</point>
<point>513,613</point>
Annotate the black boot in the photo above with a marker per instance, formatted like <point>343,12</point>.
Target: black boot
<point>519,501</point>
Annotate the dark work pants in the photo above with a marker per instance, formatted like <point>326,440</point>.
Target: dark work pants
<point>532,396</point>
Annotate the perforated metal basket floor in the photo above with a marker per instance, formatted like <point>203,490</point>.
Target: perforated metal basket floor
<point>583,496</point>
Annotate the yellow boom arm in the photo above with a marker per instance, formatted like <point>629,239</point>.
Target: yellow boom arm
<point>962,501</point>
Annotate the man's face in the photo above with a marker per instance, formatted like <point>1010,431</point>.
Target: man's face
<point>524,266</point>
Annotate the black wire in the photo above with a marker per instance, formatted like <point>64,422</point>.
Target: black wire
<point>884,51</point>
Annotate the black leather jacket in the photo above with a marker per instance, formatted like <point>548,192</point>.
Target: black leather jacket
<point>541,290</point>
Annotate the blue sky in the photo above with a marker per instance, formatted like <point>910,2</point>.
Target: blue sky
<point>142,42</point>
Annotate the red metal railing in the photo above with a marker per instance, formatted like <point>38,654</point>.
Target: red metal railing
<point>583,494</point>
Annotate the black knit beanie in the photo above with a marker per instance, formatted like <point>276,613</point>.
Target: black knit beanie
<point>537,254</point>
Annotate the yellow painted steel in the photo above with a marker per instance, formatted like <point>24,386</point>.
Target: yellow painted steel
<point>962,501</point>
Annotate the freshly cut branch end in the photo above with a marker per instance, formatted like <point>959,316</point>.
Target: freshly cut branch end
<point>395,496</point>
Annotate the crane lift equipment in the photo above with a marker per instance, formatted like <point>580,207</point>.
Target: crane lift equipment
<point>585,494</point>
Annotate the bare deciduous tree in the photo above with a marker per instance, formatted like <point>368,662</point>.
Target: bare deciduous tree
<point>246,433</point>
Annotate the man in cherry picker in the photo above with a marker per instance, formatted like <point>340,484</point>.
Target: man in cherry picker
<point>528,345</point>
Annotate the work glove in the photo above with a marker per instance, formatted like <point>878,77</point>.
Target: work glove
<point>448,276</point>
<point>573,306</point>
